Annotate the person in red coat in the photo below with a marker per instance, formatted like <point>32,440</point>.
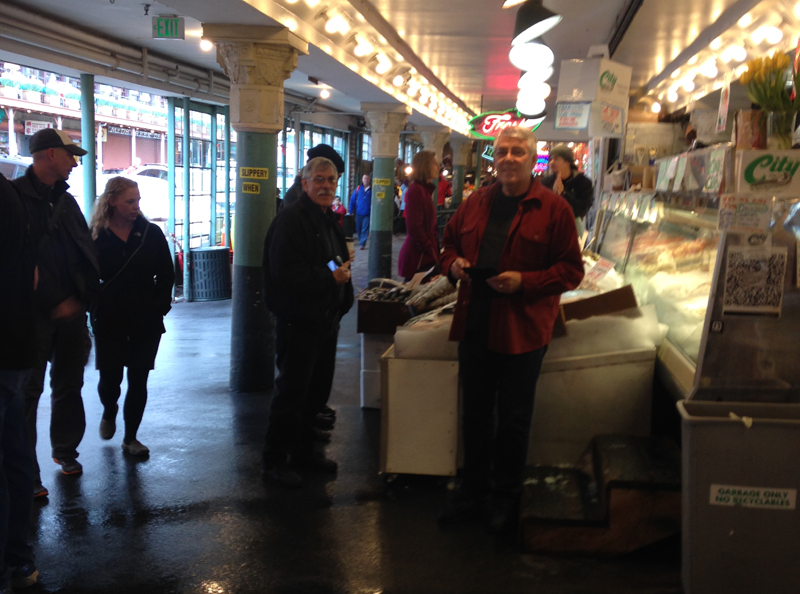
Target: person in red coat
<point>514,247</point>
<point>420,250</point>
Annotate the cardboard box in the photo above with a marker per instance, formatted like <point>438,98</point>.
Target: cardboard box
<point>381,317</point>
<point>607,303</point>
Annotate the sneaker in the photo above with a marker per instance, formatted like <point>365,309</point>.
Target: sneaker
<point>24,576</point>
<point>282,476</point>
<point>323,422</point>
<point>69,465</point>
<point>40,491</point>
<point>327,411</point>
<point>108,427</point>
<point>314,461</point>
<point>461,508</point>
<point>135,448</point>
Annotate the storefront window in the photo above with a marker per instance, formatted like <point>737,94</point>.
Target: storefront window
<point>366,147</point>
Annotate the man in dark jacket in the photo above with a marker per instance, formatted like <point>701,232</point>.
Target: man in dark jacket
<point>307,286</point>
<point>68,279</point>
<point>565,181</point>
<point>321,150</point>
<point>17,356</point>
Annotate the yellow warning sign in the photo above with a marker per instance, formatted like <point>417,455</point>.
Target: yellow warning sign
<point>254,172</point>
<point>251,188</point>
<point>381,182</point>
<point>380,195</point>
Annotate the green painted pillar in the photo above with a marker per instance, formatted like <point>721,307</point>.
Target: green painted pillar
<point>257,60</point>
<point>461,151</point>
<point>212,229</point>
<point>188,293</point>
<point>385,122</point>
<point>88,135</point>
<point>227,222</point>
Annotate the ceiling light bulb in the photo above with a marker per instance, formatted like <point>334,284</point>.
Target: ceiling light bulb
<point>675,73</point>
<point>672,96</point>
<point>409,170</point>
<point>528,56</point>
<point>538,75</point>
<point>716,44</point>
<point>693,59</point>
<point>656,107</point>
<point>290,24</point>
<point>312,3</point>
<point>797,10</point>
<point>688,86</point>
<point>324,93</point>
<point>709,69</point>
<point>774,35</point>
<point>290,1</point>
<point>529,103</point>
<point>739,53</point>
<point>746,21</point>
<point>398,80</point>
<point>206,45</point>
<point>512,3</point>
<point>384,64</point>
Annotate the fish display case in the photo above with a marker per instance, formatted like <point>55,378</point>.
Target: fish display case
<point>665,243</point>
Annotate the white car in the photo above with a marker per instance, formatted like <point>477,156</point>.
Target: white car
<point>153,188</point>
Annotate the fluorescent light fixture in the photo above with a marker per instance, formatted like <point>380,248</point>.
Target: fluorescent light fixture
<point>206,45</point>
<point>528,56</point>
<point>532,77</point>
<point>533,20</point>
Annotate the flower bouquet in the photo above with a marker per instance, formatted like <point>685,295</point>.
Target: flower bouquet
<point>768,84</point>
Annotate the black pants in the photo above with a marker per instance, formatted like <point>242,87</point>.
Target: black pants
<point>306,360</point>
<point>492,380</point>
<point>63,343</point>
<point>135,399</point>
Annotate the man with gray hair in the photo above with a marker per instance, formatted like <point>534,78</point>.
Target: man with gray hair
<point>307,286</point>
<point>514,247</point>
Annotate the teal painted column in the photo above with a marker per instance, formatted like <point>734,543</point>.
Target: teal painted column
<point>171,179</point>
<point>212,229</point>
<point>88,135</point>
<point>385,122</point>
<point>188,293</point>
<point>461,151</point>
<point>257,60</point>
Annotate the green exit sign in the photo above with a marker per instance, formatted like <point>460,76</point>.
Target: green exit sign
<point>169,28</point>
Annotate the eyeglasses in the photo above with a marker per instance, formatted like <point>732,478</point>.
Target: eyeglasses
<point>319,180</point>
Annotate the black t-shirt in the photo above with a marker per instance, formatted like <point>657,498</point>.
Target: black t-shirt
<point>504,209</point>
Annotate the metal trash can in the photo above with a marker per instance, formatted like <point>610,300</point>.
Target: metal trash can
<point>349,225</point>
<point>741,473</point>
<point>211,273</point>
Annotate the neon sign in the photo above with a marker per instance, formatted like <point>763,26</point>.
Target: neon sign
<point>488,125</point>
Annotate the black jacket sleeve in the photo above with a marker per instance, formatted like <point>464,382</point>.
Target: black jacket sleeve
<point>578,191</point>
<point>164,271</point>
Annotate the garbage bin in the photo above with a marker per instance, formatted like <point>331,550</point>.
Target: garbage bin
<point>349,225</point>
<point>211,273</point>
<point>741,472</point>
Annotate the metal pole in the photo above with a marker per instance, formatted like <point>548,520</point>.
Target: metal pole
<point>212,229</point>
<point>87,140</point>
<point>227,222</point>
<point>171,171</point>
<point>283,159</point>
<point>187,197</point>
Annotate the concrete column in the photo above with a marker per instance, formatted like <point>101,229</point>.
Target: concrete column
<point>87,143</point>
<point>461,150</point>
<point>13,150</point>
<point>257,60</point>
<point>434,139</point>
<point>385,122</point>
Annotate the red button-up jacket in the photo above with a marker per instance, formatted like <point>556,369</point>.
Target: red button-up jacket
<point>542,245</point>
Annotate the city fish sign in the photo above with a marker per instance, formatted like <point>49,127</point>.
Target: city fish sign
<point>768,173</point>
<point>488,125</point>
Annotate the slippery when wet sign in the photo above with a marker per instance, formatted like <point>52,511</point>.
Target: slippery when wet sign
<point>757,497</point>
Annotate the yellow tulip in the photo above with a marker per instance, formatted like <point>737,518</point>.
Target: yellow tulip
<point>746,77</point>
<point>758,78</point>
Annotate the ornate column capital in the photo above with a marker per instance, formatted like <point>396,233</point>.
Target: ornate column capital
<point>462,147</point>
<point>434,140</point>
<point>256,60</point>
<point>385,121</point>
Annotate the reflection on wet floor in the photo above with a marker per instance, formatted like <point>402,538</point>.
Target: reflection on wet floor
<point>196,518</point>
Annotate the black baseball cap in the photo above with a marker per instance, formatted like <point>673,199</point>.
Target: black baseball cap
<point>327,151</point>
<point>52,138</point>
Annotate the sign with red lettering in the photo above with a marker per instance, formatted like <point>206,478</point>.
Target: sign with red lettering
<point>488,125</point>
<point>572,116</point>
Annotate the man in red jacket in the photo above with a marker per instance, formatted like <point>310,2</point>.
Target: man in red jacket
<point>514,247</point>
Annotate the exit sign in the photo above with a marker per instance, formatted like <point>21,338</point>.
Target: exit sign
<point>169,28</point>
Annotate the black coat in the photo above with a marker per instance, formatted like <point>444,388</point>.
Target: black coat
<point>578,191</point>
<point>17,264</point>
<point>298,285</point>
<point>65,253</point>
<point>136,282</point>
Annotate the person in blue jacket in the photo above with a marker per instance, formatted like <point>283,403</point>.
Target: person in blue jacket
<point>360,204</point>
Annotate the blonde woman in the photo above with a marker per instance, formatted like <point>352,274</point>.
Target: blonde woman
<point>136,278</point>
<point>420,250</point>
